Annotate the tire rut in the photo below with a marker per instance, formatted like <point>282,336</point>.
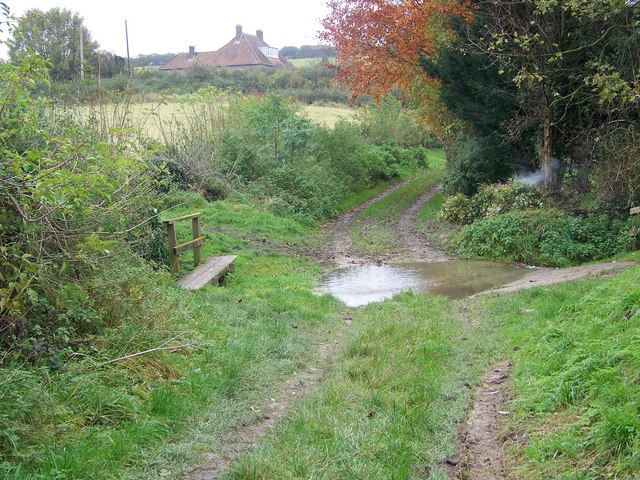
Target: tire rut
<point>412,247</point>
<point>479,449</point>
<point>417,247</point>
<point>340,250</point>
<point>245,437</point>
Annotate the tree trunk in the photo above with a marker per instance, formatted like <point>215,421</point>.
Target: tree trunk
<point>545,152</point>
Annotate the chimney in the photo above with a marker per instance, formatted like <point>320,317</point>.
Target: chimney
<point>260,35</point>
<point>192,51</point>
<point>238,32</point>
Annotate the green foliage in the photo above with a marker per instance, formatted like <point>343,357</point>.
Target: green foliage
<point>544,237</point>
<point>265,148</point>
<point>69,198</point>
<point>540,79</point>
<point>310,194</point>
<point>473,161</point>
<point>89,418</point>
<point>491,200</point>
<point>390,123</point>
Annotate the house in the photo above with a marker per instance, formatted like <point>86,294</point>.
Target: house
<point>244,51</point>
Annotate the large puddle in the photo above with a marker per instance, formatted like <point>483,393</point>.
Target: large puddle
<point>360,285</point>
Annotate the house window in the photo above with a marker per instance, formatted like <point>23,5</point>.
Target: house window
<point>269,52</point>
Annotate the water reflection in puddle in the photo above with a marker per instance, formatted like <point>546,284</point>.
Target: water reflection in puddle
<point>363,284</point>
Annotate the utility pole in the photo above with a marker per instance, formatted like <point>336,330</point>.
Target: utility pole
<point>81,54</point>
<point>126,33</point>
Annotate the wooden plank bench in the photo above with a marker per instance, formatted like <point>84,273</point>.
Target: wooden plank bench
<point>209,272</point>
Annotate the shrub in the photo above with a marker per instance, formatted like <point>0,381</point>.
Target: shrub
<point>309,194</point>
<point>491,200</point>
<point>390,123</point>
<point>472,162</point>
<point>543,237</point>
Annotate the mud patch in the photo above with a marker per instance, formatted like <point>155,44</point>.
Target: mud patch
<point>540,277</point>
<point>479,450</point>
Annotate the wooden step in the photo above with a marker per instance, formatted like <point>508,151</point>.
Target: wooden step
<point>210,271</point>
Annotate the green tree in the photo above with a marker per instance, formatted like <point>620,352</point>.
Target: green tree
<point>290,52</point>
<point>56,36</point>
<point>479,148</point>
<point>567,60</point>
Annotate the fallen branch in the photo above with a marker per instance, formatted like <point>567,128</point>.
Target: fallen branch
<point>161,347</point>
<point>137,354</point>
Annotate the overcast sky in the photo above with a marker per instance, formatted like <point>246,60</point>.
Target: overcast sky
<point>171,26</point>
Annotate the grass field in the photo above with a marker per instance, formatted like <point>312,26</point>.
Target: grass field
<point>153,117</point>
<point>309,62</point>
<point>328,114</point>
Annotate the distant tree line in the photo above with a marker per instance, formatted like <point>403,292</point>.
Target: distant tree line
<point>152,60</point>
<point>308,51</point>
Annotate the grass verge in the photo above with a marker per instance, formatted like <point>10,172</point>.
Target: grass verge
<point>575,377</point>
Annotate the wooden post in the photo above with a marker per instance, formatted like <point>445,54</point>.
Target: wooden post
<point>173,241</point>
<point>634,211</point>
<point>195,228</point>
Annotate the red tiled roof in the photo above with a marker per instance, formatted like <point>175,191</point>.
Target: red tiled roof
<point>243,50</point>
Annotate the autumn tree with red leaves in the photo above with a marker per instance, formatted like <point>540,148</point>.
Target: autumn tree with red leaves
<point>379,43</point>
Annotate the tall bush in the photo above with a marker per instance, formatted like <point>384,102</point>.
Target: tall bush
<point>70,199</point>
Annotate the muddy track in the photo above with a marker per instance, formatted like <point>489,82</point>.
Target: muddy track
<point>246,436</point>
<point>478,455</point>
<point>340,249</point>
<point>479,450</point>
<point>413,247</point>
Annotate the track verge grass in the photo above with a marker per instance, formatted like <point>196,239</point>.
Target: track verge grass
<point>393,391</point>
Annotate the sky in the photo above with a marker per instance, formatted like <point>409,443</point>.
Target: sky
<point>172,26</point>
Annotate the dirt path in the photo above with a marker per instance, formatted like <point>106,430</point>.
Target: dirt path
<point>246,436</point>
<point>339,250</point>
<point>551,276</point>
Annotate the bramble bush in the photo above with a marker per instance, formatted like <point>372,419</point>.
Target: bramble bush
<point>71,199</point>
